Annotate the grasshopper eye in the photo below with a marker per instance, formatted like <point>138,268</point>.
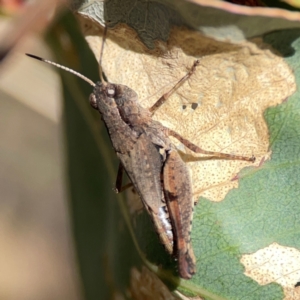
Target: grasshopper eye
<point>93,101</point>
<point>111,92</point>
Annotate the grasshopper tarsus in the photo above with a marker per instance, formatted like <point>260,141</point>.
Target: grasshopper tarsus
<point>196,63</point>
<point>252,158</point>
<point>123,188</point>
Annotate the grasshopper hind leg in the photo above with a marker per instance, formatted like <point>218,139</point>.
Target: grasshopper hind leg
<point>178,193</point>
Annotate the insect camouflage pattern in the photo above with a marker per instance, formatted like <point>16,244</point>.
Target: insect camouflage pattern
<point>152,163</point>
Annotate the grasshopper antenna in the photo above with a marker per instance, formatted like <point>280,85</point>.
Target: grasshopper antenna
<point>63,68</point>
<point>101,54</point>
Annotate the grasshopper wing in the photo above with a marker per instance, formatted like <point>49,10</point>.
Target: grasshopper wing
<point>143,164</point>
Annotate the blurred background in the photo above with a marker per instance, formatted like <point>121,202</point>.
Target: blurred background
<point>37,259</point>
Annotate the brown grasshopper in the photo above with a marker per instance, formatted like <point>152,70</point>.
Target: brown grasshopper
<point>151,161</point>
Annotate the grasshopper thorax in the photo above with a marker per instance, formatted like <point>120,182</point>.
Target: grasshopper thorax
<point>107,95</point>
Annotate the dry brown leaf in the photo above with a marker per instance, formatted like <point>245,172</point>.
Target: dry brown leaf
<point>221,106</point>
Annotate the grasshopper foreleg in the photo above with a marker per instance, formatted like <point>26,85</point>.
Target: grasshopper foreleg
<point>119,181</point>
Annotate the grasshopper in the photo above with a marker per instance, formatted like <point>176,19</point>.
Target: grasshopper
<point>151,161</point>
